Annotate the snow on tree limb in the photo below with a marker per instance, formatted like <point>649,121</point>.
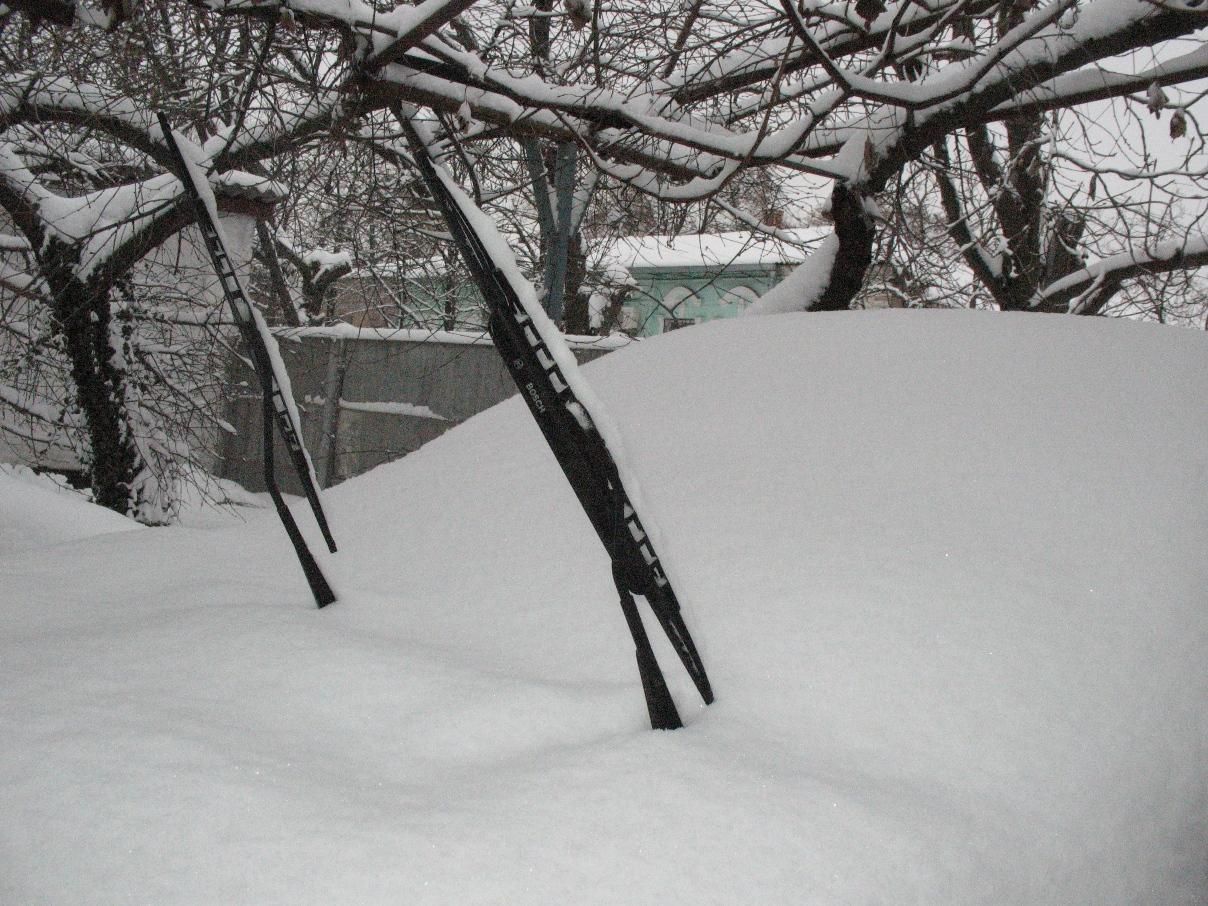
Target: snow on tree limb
<point>35,97</point>
<point>804,286</point>
<point>1045,61</point>
<point>414,25</point>
<point>110,228</point>
<point>1085,291</point>
<point>678,100</point>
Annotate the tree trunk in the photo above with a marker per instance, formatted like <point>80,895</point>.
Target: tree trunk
<point>286,313</point>
<point>856,233</point>
<point>577,314</point>
<point>82,320</point>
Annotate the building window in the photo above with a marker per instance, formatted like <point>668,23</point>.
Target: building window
<point>670,324</point>
<point>741,296</point>
<point>676,297</point>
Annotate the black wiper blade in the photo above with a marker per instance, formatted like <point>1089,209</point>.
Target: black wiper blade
<point>580,451</point>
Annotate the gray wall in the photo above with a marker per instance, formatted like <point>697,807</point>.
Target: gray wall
<point>338,374</point>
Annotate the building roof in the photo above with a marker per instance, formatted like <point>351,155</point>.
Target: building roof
<point>733,249</point>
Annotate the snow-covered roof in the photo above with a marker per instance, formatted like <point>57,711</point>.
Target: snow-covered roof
<point>732,249</point>
<point>422,335</point>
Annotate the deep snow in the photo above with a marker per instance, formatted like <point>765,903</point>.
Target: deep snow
<point>946,571</point>
<point>37,511</point>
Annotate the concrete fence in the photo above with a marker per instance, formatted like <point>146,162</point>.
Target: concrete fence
<point>370,396</point>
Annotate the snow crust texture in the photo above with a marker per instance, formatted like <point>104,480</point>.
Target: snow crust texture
<point>945,569</point>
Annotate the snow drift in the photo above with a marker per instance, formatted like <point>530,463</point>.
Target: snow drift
<point>36,512</point>
<point>946,572</point>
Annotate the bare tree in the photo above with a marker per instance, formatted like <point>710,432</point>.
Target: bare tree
<point>677,100</point>
<point>97,268</point>
<point>991,105</point>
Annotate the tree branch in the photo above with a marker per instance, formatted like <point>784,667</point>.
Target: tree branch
<point>1087,290</point>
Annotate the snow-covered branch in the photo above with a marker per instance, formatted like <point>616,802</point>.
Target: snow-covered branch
<point>1087,290</point>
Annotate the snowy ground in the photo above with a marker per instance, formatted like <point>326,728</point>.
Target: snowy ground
<point>946,570</point>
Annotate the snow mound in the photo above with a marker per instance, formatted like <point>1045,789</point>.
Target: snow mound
<point>36,512</point>
<point>945,569</point>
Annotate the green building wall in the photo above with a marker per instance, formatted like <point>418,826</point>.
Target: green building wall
<point>671,297</point>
